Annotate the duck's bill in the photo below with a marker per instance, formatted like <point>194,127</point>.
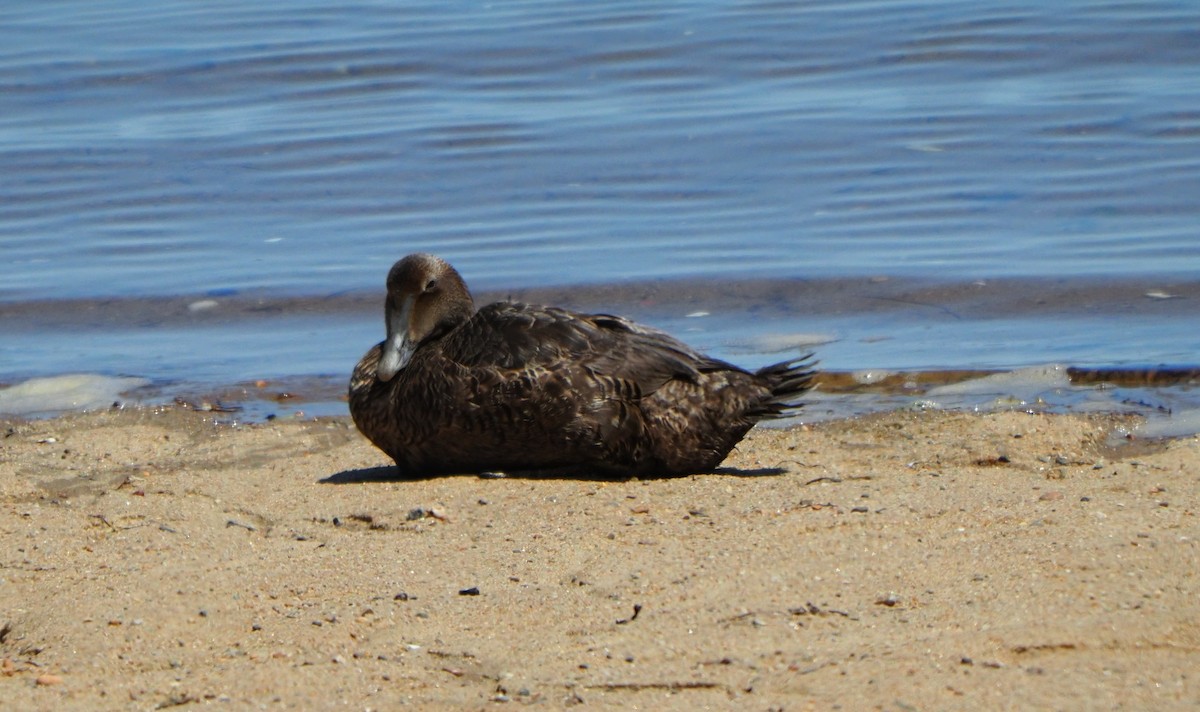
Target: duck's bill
<point>396,355</point>
<point>398,348</point>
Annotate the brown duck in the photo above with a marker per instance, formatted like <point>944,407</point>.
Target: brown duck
<point>523,388</point>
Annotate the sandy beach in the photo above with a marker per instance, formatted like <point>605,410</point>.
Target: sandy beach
<point>152,558</point>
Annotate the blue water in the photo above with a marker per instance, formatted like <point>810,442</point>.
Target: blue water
<point>299,148</point>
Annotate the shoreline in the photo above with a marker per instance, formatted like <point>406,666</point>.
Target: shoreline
<point>155,557</point>
<point>865,332</point>
<point>1165,397</point>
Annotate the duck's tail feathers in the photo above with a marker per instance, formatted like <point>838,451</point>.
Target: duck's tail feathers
<point>788,380</point>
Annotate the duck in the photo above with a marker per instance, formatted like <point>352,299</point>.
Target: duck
<point>522,388</point>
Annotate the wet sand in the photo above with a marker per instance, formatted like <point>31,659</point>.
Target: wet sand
<point>154,558</point>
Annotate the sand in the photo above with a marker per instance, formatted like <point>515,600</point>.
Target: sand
<point>919,560</point>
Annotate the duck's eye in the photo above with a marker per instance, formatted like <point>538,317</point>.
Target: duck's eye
<point>430,285</point>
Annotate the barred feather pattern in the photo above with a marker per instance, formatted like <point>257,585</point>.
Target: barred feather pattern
<point>527,388</point>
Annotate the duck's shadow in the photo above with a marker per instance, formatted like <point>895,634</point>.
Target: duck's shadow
<point>393,474</point>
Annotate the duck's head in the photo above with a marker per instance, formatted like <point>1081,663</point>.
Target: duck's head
<point>426,298</point>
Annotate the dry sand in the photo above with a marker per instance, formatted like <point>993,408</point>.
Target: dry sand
<point>912,561</point>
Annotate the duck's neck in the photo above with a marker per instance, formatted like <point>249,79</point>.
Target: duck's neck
<point>455,316</point>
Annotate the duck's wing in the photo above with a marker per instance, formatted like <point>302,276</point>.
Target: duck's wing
<point>527,338</point>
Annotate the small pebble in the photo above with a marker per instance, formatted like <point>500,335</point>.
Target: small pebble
<point>48,679</point>
<point>472,591</point>
<point>889,600</point>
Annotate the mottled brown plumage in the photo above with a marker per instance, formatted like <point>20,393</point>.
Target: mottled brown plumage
<point>518,387</point>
